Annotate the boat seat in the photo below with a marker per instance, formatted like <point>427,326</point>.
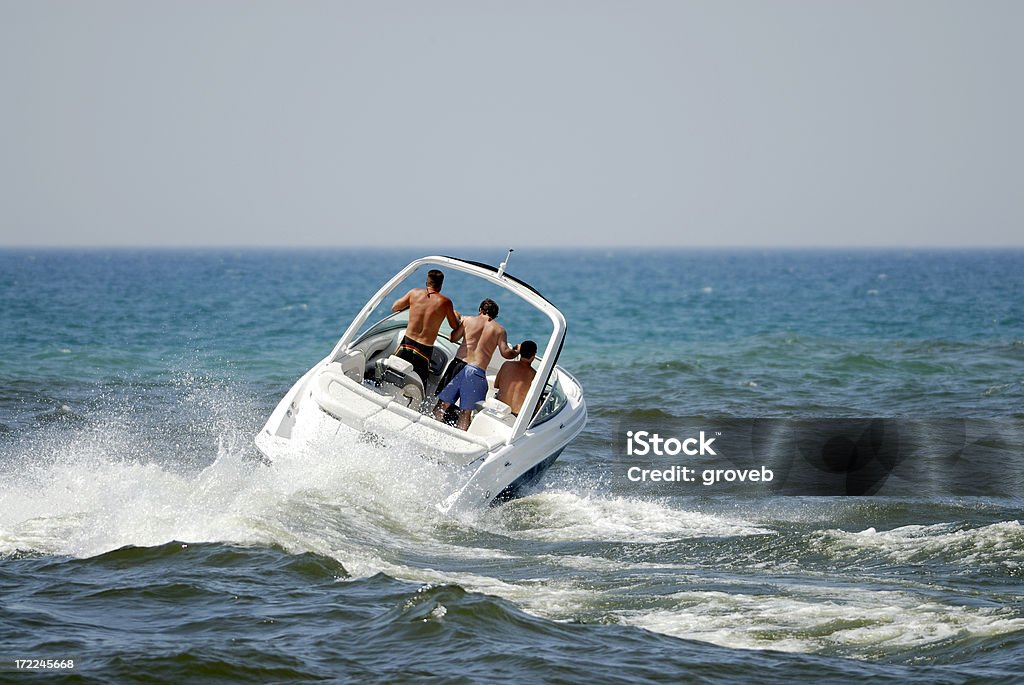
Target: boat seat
<point>453,445</point>
<point>363,409</point>
<point>351,362</point>
<point>382,349</point>
<point>495,408</point>
<point>489,428</point>
<point>345,399</point>
<point>402,410</point>
<point>399,373</point>
<point>391,420</point>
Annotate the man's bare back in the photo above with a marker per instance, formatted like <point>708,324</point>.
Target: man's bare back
<point>427,309</point>
<point>483,334</point>
<point>513,382</point>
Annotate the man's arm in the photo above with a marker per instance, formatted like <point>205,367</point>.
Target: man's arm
<point>457,333</point>
<point>506,351</point>
<point>402,303</point>
<point>453,317</point>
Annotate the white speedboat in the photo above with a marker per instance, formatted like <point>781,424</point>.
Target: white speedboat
<point>362,392</point>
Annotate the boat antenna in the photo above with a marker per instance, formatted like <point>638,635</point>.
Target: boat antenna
<point>501,267</point>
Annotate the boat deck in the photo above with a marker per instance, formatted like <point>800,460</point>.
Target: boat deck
<point>361,408</point>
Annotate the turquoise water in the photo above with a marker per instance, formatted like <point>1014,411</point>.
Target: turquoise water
<point>141,537</point>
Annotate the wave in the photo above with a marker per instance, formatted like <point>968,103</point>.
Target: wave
<point>214,623</point>
<point>994,545</point>
<point>837,619</point>
<point>561,516</point>
<point>123,493</point>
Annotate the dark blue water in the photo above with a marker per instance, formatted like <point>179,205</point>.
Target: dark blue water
<point>141,536</point>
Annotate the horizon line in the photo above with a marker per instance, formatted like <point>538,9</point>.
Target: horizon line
<point>440,249</point>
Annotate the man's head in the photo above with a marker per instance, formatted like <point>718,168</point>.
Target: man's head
<point>435,279</point>
<point>489,308</point>
<point>527,349</point>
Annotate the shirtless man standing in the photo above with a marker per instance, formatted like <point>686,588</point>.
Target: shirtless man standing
<point>427,309</point>
<point>483,334</point>
<point>515,378</point>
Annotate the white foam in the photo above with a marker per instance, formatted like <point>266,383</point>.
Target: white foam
<point>997,389</point>
<point>851,621</point>
<point>994,543</point>
<point>108,486</point>
<point>558,516</point>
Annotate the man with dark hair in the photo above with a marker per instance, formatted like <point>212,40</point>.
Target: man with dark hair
<point>482,335</point>
<point>427,309</point>
<point>490,308</point>
<point>515,378</point>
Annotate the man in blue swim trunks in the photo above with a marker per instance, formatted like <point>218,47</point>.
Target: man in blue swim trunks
<point>482,335</point>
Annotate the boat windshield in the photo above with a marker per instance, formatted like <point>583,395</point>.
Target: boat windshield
<point>391,322</point>
<point>553,401</point>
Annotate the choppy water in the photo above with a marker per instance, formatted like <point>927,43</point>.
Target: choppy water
<point>140,536</point>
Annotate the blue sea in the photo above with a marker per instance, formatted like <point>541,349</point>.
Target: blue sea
<point>143,539</point>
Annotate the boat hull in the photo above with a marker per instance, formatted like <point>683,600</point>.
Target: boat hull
<point>495,473</point>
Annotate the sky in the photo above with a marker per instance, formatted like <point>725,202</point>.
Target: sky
<point>512,124</point>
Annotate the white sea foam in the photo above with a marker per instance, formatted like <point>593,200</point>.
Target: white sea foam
<point>103,488</point>
<point>1001,542</point>
<point>115,483</point>
<point>997,389</point>
<point>567,516</point>
<point>846,620</point>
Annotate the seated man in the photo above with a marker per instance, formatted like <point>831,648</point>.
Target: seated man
<point>427,309</point>
<point>483,334</point>
<point>515,378</point>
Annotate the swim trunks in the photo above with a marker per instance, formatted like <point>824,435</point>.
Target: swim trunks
<point>417,354</point>
<point>469,387</point>
<point>453,370</point>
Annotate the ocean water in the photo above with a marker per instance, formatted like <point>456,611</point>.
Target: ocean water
<point>142,537</point>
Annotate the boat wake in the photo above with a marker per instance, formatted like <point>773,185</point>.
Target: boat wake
<point>558,515</point>
<point>574,550</point>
